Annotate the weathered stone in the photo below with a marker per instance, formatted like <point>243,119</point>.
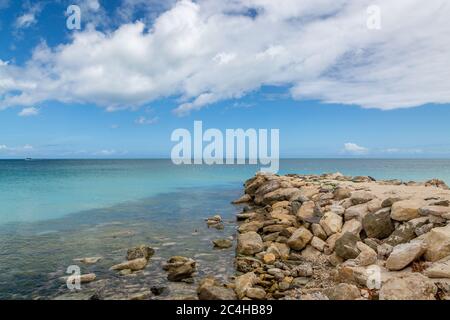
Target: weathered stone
<point>384,250</point>
<point>331,243</point>
<point>142,251</point>
<point>438,243</point>
<point>250,226</point>
<point>341,193</point>
<point>211,289</point>
<point>179,268</point>
<point>331,223</point>
<point>249,243</point>
<point>318,243</point>
<point>388,202</point>
<point>412,286</point>
<point>222,243</point>
<point>406,210</point>
<point>308,213</point>
<point>352,226</point>
<point>318,231</point>
<point>360,197</point>
<point>343,291</point>
<point>373,205</point>
<point>367,255</point>
<point>439,269</point>
<point>269,258</point>
<point>310,253</point>
<point>133,265</point>
<point>299,239</point>
<point>280,250</point>
<point>346,246</point>
<point>378,224</point>
<point>356,212</point>
<point>244,282</point>
<point>403,254</point>
<point>256,293</point>
<point>438,211</point>
<point>243,199</point>
<point>279,195</point>
<point>404,233</point>
<point>437,183</point>
<point>84,278</point>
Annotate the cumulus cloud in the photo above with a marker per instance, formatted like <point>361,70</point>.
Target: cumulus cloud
<point>206,51</point>
<point>29,112</point>
<point>353,148</point>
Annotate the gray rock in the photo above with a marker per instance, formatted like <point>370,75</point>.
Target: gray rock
<point>378,224</point>
<point>346,247</point>
<point>142,251</point>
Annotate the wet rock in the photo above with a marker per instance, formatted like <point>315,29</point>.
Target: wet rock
<point>343,291</point>
<point>331,223</point>
<point>142,251</point>
<point>406,210</point>
<point>244,199</point>
<point>84,278</point>
<point>245,216</point>
<point>211,289</point>
<point>179,268</point>
<point>346,246</point>
<point>249,243</point>
<point>222,243</point>
<point>404,254</point>
<point>133,265</point>
<point>413,286</point>
<point>438,243</point>
<point>378,224</point>
<point>360,197</point>
<point>299,239</point>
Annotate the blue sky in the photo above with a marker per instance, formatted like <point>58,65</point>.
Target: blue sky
<point>139,69</point>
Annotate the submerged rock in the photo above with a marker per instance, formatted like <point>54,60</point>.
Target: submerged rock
<point>142,251</point>
<point>133,265</point>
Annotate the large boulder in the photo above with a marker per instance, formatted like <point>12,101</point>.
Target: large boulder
<point>331,223</point>
<point>300,238</point>
<point>346,246</point>
<point>249,243</point>
<point>412,286</point>
<point>378,224</point>
<point>438,243</point>
<point>360,197</point>
<point>403,254</point>
<point>404,233</point>
<point>341,193</point>
<point>356,212</point>
<point>406,210</point>
<point>439,269</point>
<point>438,211</point>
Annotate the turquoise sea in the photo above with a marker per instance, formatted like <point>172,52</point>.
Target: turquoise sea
<point>53,211</point>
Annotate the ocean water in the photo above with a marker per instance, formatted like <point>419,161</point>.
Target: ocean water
<point>53,211</point>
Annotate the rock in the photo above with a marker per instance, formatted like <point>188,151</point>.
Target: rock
<point>373,205</point>
<point>340,210</point>
<point>343,291</point>
<point>300,282</point>
<point>267,187</point>
<point>157,290</point>
<point>269,258</point>
<point>341,193</point>
<point>360,197</point>
<point>378,224</point>
<point>412,286</point>
<point>436,183</point>
<point>211,289</point>
<point>299,239</point>
<point>318,231</point>
<point>334,259</point>
<point>222,243</point>
<point>308,213</point>
<point>88,260</point>
<point>331,223</point>
<point>247,264</point>
<point>404,233</point>
<point>356,212</point>
<point>133,265</point>
<point>438,243</point>
<point>352,226</point>
<point>245,216</point>
<point>314,296</point>
<point>384,250</point>
<point>140,296</point>
<point>318,243</point>
<point>250,226</point>
<point>388,202</point>
<point>406,210</point>
<point>310,253</point>
<point>346,246</point>
<point>142,251</point>
<point>254,184</point>
<point>244,199</point>
<point>438,211</point>
<point>280,250</point>
<point>243,283</point>
<point>367,256</point>
<point>84,278</point>
<point>179,268</point>
<point>331,243</point>
<point>249,243</point>
<point>304,270</point>
<point>403,254</point>
<point>256,293</point>
<point>372,242</point>
<point>279,195</point>
<point>439,269</point>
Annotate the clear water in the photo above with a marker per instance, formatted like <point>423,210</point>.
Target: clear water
<point>55,211</point>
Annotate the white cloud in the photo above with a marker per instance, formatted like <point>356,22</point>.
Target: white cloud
<point>210,50</point>
<point>146,121</point>
<point>353,148</point>
<point>16,151</point>
<point>29,18</point>
<point>29,112</point>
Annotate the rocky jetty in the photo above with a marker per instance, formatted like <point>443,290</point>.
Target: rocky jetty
<point>342,238</point>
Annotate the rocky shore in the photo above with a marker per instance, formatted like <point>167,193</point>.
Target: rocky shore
<point>318,237</point>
